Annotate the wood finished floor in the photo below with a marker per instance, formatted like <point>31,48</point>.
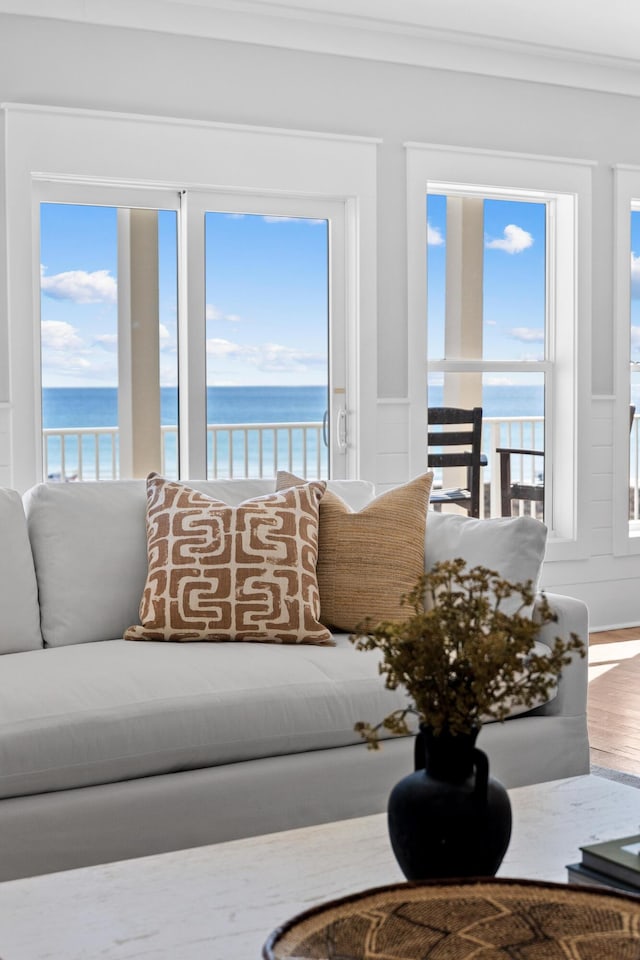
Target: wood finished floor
<point>613,709</point>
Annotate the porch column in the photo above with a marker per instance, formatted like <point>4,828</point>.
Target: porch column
<point>463,326</point>
<point>464,296</point>
<point>138,343</point>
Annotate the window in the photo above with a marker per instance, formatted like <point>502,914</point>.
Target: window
<point>193,175</point>
<point>110,337</point>
<point>626,402</point>
<point>497,297</point>
<point>487,301</point>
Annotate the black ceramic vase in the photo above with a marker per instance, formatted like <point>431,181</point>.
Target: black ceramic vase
<point>449,818</point>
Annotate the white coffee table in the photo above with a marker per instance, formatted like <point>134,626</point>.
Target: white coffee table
<point>220,902</point>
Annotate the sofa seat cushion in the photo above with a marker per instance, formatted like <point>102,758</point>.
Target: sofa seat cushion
<point>115,710</point>
<point>102,712</point>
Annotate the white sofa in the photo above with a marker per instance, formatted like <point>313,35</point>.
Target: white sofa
<point>112,749</point>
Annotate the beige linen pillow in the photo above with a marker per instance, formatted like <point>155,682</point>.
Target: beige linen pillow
<point>368,559</point>
<point>218,572</point>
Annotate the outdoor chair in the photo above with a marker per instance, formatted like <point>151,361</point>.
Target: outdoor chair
<point>460,432</point>
<point>519,490</point>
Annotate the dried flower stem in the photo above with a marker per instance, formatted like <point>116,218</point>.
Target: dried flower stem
<point>462,659</point>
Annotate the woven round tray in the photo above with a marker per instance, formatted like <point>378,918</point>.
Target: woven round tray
<point>463,919</point>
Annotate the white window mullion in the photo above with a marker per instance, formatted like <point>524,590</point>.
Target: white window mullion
<point>192,414</point>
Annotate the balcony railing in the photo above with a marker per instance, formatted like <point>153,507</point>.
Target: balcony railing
<point>233,450</point>
<point>261,449</point>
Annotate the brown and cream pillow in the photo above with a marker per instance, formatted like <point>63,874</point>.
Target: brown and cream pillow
<point>218,572</point>
<point>368,559</point>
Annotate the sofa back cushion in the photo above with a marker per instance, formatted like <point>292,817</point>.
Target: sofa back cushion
<point>512,546</point>
<point>20,619</point>
<point>90,549</point>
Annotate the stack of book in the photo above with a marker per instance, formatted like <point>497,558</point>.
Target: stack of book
<point>614,864</point>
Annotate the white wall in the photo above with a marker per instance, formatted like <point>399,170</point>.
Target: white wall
<point>59,63</point>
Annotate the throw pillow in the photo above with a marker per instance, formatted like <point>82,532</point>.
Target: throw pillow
<point>218,572</point>
<point>513,546</point>
<point>368,559</point>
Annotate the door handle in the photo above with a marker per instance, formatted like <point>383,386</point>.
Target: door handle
<point>341,430</point>
<point>325,420</point>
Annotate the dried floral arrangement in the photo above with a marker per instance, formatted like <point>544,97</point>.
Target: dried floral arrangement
<point>461,658</point>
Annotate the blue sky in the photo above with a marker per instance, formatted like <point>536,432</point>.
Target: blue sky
<point>266,293</point>
<point>513,279</point>
<point>266,298</point>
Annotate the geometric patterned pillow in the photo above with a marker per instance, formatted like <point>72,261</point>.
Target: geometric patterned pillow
<point>368,559</point>
<point>218,572</point>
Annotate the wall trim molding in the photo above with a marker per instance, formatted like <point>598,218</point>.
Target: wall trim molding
<point>364,37</point>
<point>137,118</point>
<point>487,152</point>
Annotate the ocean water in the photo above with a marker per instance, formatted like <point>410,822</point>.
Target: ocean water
<point>67,407</point>
<point>98,406</point>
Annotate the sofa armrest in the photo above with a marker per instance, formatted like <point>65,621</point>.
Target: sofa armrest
<point>573,617</point>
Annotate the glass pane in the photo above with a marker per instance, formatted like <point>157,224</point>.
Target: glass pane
<point>486,278</point>
<point>634,354</point>
<point>513,419</point>
<point>82,359</point>
<point>436,274</point>
<point>267,344</point>
<point>514,280</point>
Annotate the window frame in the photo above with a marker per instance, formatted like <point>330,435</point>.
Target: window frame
<point>103,150</point>
<point>566,186</point>
<point>626,540</point>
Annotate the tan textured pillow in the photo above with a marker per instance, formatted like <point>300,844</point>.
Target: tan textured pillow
<point>369,559</point>
<point>231,573</point>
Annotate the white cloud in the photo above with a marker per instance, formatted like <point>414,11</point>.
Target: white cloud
<point>528,334</point>
<point>80,286</point>
<point>515,240</point>
<point>63,349</point>
<point>109,341</point>
<point>217,347</point>
<point>274,356</point>
<point>270,357</point>
<point>58,335</point>
<point>164,332</point>
<point>213,313</point>
<point>635,276</point>
<point>434,236</point>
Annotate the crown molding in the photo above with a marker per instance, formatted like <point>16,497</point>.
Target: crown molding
<point>363,37</point>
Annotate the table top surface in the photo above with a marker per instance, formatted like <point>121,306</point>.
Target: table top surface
<point>220,902</point>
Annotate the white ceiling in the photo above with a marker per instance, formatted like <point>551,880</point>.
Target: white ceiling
<point>592,43</point>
